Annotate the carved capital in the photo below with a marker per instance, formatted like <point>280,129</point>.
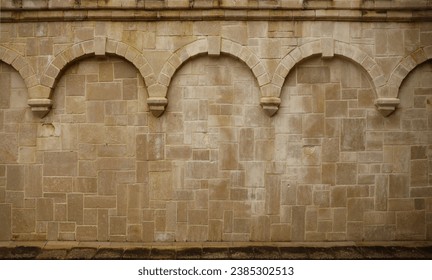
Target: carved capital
<point>40,107</point>
<point>157,105</point>
<point>386,106</point>
<point>270,105</point>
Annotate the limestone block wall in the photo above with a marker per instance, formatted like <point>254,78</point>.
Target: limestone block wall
<point>309,122</point>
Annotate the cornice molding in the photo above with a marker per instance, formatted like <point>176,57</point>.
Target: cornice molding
<point>220,14</point>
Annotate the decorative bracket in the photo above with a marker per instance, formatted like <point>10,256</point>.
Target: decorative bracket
<point>270,105</point>
<point>386,106</point>
<point>157,105</point>
<point>40,107</point>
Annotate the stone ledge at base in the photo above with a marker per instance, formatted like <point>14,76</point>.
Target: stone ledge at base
<point>212,251</point>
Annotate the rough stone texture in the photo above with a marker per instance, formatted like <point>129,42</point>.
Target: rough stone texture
<point>215,167</point>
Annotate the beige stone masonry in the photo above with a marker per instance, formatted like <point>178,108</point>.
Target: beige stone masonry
<point>303,122</point>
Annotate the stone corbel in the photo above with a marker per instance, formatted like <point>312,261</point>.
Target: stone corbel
<point>270,105</point>
<point>386,106</point>
<point>40,107</point>
<point>157,105</point>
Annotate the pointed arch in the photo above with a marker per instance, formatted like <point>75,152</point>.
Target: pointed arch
<point>212,45</point>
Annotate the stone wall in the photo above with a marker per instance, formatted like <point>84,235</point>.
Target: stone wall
<point>302,123</point>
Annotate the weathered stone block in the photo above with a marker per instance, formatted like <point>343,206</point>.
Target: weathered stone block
<point>117,226</point>
<point>44,209</point>
<point>353,135</point>
<point>313,75</point>
<point>357,207</point>
<point>336,109</point>
<point>218,189</point>
<point>75,208</point>
<point>228,156</point>
<point>398,186</point>
<point>15,177</point>
<point>75,85</point>
<point>410,225</point>
<point>346,173</point>
<point>57,184</point>
<point>8,148</point>
<point>104,91</point>
<point>313,126</point>
<point>86,233</point>
<point>161,187</point>
<point>60,164</point>
<point>6,222</point>
<point>298,224</point>
<point>419,173</point>
<point>85,185</point>
<point>23,220</point>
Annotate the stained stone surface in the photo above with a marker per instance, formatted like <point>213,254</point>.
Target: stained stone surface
<point>159,130</point>
<point>194,251</point>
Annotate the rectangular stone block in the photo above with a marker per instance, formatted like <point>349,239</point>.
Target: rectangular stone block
<point>336,109</point>
<point>23,220</point>
<point>197,217</point>
<point>215,230</point>
<point>117,164</point>
<point>5,90</point>
<point>328,173</point>
<point>44,209</point>
<point>419,173</point>
<point>60,164</point>
<point>353,135</point>
<point>381,192</point>
<point>15,177</point>
<point>340,220</point>
<point>228,156</point>
<point>313,75</point>
<point>75,85</point>
<point>6,222</point>
<point>330,150</point>
<point>218,189</point>
<point>298,224</point>
<point>161,187</point>
<point>106,72</point>
<point>260,229</point>
<point>179,152</point>
<point>85,185</point>
<point>75,105</point>
<point>346,173</point>
<point>117,225</point>
<point>398,186</point>
<point>313,126</point>
<point>155,146</point>
<point>102,225</point>
<point>99,202</point>
<point>401,204</point>
<point>214,45</point>
<point>246,145</point>
<point>273,194</point>
<point>86,233</point>
<point>57,184</point>
<point>75,208</point>
<point>410,225</point>
<point>141,147</point>
<point>357,207</point>
<point>201,170</point>
<point>104,91</point>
